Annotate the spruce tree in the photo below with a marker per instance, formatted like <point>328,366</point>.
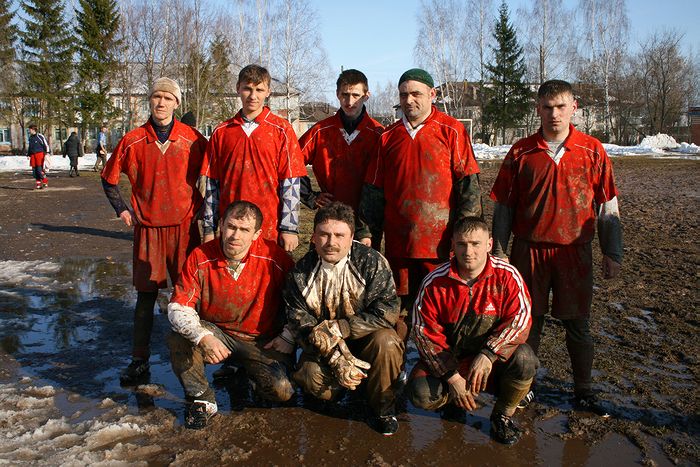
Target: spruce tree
<point>222,86</point>
<point>8,77</point>
<point>47,53</point>
<point>508,96</point>
<point>97,36</point>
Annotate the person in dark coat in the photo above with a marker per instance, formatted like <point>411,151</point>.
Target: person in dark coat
<point>73,148</point>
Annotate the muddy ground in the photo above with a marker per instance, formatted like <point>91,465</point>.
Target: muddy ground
<point>66,303</point>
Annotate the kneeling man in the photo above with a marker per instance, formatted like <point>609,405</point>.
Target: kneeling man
<point>226,304</point>
<point>342,306</point>
<point>470,323</point>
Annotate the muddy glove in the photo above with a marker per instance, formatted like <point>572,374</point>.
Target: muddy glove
<point>349,371</point>
<point>325,336</point>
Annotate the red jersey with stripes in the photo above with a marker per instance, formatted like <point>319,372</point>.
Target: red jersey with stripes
<point>453,319</point>
<point>417,171</point>
<point>250,166</point>
<point>340,160</point>
<point>245,303</point>
<point>555,202</point>
<point>162,176</point>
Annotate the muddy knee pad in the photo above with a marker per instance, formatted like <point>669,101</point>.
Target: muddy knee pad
<point>522,365</point>
<point>316,380</point>
<point>271,382</point>
<point>427,393</point>
<point>383,348</point>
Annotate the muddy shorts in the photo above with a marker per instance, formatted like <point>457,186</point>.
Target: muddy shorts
<point>565,270</point>
<point>36,159</point>
<point>159,251</point>
<point>410,272</point>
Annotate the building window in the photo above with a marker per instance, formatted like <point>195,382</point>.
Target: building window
<point>5,135</point>
<point>31,107</point>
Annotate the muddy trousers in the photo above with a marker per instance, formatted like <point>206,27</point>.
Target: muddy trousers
<point>579,343</point>
<point>267,369</point>
<point>143,325</point>
<point>509,381</point>
<point>383,349</point>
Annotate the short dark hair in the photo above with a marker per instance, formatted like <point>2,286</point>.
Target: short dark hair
<point>241,209</point>
<point>336,211</point>
<point>470,224</point>
<point>254,74</point>
<point>32,126</point>
<point>350,77</point>
<point>553,88</point>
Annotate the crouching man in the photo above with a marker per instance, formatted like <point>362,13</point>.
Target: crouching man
<point>470,323</point>
<point>226,304</point>
<point>342,306</point>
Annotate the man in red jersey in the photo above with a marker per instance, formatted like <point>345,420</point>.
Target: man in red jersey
<point>255,156</point>
<point>548,192</point>
<point>162,160</point>
<point>423,179</point>
<point>227,305</point>
<point>339,148</point>
<point>470,323</point>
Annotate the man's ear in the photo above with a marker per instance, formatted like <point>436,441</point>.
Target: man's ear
<point>490,244</point>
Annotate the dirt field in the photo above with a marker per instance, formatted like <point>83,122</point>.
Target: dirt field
<point>66,305</point>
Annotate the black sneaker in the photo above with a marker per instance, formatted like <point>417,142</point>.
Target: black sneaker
<point>592,404</point>
<point>386,424</point>
<point>504,430</point>
<point>136,372</point>
<point>199,413</point>
<point>527,400</point>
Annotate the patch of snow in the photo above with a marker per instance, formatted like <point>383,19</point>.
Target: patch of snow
<point>659,141</point>
<point>55,162</point>
<point>686,148</point>
<point>29,273</point>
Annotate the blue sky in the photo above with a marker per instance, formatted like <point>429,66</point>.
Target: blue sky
<point>378,36</point>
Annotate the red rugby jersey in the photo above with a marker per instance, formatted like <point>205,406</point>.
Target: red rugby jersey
<point>555,203</point>
<point>248,307</point>
<point>453,320</point>
<point>340,164</point>
<point>417,175</point>
<point>163,189</point>
<point>250,167</point>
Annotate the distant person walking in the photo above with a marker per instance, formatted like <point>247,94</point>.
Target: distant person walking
<point>73,148</point>
<point>37,149</point>
<point>101,149</point>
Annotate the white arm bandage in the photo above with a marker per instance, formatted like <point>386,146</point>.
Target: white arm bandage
<point>184,320</point>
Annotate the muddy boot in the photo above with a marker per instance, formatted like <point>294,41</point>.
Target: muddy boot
<point>590,403</point>
<point>504,430</point>
<point>198,414</point>
<point>387,425</point>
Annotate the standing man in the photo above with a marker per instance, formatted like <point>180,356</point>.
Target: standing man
<point>424,179</point>
<point>339,148</point>
<point>73,148</point>
<point>37,149</point>
<point>227,303</point>
<point>342,307</point>
<point>470,324</point>
<point>255,156</point>
<point>548,191</point>
<point>101,149</point>
<point>162,159</point>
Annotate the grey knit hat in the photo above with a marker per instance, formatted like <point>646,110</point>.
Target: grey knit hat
<point>166,85</point>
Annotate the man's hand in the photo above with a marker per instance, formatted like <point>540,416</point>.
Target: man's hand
<point>289,241</point>
<point>214,350</point>
<point>611,268</point>
<point>323,199</point>
<point>280,345</point>
<point>208,237</point>
<point>460,394</point>
<point>325,336</point>
<point>128,217</point>
<point>479,372</point>
<point>348,370</point>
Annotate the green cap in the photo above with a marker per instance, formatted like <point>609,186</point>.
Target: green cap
<point>416,74</point>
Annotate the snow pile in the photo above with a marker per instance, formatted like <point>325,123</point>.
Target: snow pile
<point>484,151</point>
<point>659,141</point>
<point>686,148</point>
<point>55,162</point>
<point>615,150</point>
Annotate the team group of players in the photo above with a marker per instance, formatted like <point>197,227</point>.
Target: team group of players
<point>475,314</point>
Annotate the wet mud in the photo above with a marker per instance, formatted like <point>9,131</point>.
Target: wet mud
<point>66,305</point>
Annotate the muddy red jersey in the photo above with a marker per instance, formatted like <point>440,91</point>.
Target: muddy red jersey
<point>162,176</point>
<point>555,203</point>
<point>339,159</point>
<point>246,306</point>
<point>251,166</point>
<point>417,172</point>
<point>453,319</point>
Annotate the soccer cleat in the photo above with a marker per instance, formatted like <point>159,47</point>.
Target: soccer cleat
<point>135,373</point>
<point>386,424</point>
<point>527,400</point>
<point>590,403</point>
<point>199,413</point>
<point>504,430</point>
